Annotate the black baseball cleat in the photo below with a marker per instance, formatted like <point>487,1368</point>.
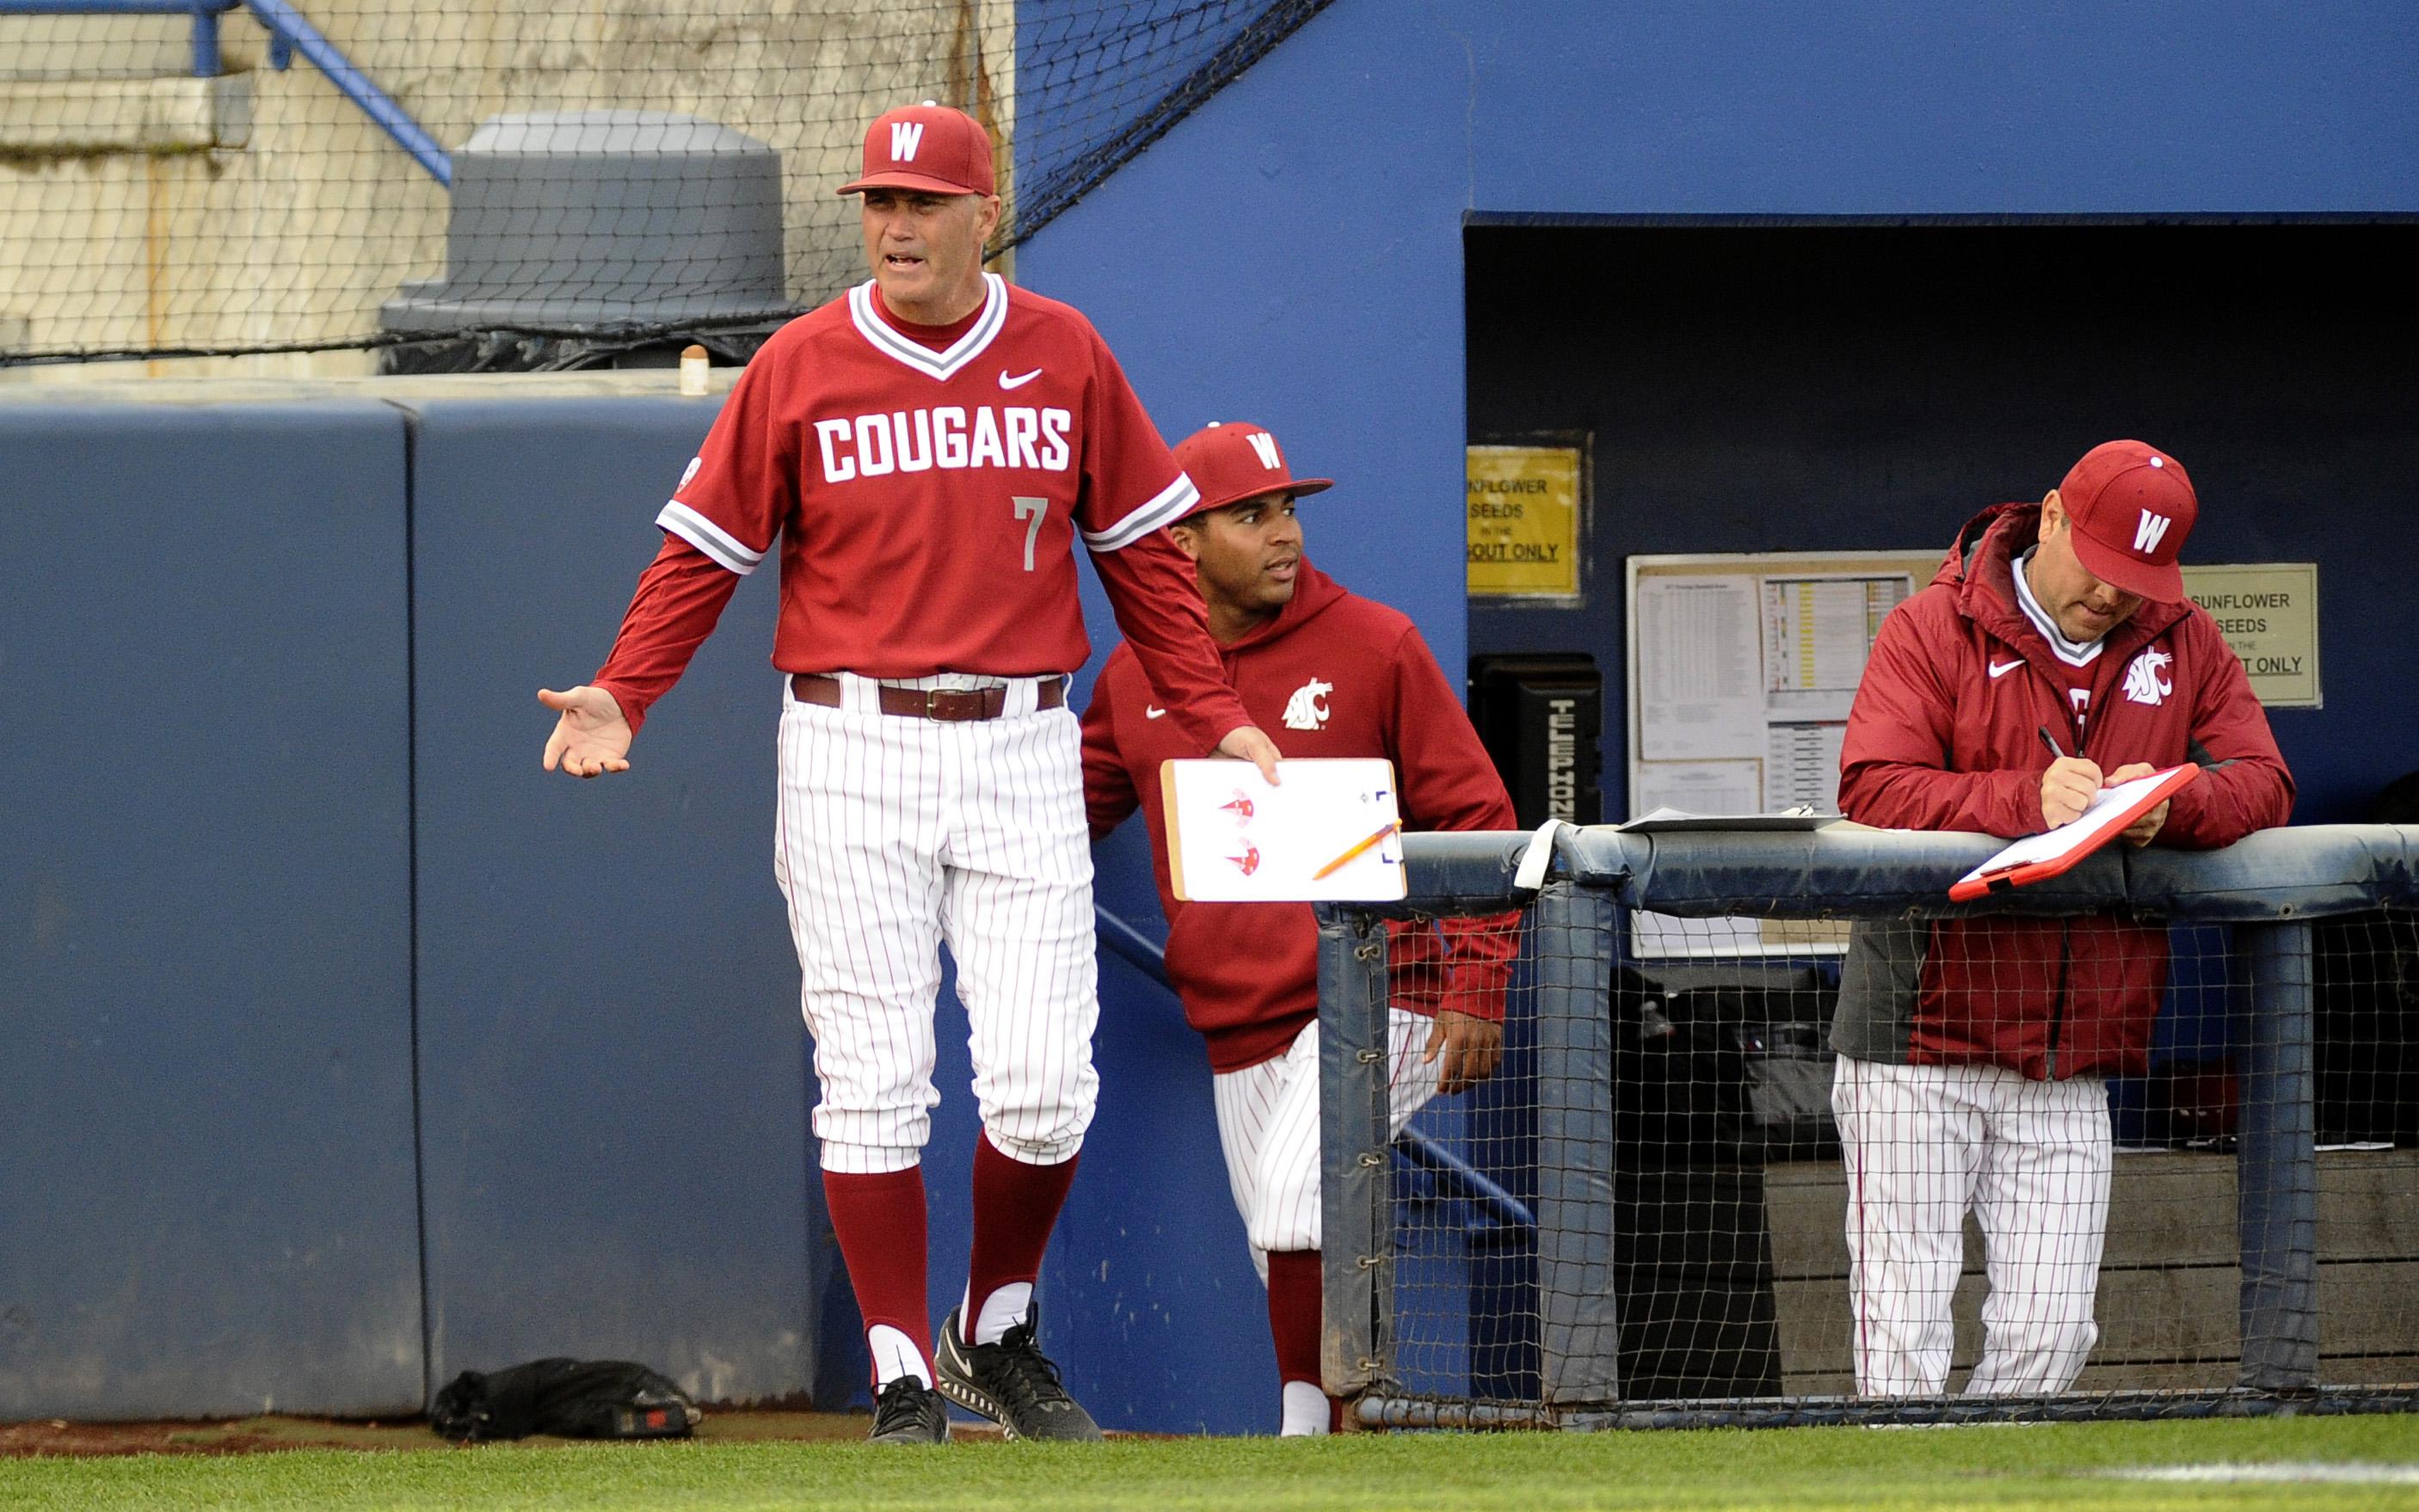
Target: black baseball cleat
<point>909,1411</point>
<point>1011,1382</point>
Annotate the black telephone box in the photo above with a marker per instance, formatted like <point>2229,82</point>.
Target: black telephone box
<point>1540,716</point>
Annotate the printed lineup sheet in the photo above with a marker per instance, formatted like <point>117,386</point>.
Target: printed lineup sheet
<point>1742,668</point>
<point>1330,831</point>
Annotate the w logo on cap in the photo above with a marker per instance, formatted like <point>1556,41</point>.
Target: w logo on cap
<point>2148,531</point>
<point>905,137</point>
<point>1266,445</point>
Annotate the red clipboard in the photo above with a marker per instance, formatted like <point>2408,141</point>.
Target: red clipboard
<point>2047,855</point>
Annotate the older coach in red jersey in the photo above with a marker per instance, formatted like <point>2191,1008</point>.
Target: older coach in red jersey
<point>2054,653</point>
<point>924,453</point>
<point>1346,678</point>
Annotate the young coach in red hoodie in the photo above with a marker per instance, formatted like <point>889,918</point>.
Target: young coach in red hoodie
<point>2055,651</point>
<point>1344,677</point>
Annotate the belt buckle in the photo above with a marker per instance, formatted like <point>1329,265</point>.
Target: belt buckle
<point>953,703</point>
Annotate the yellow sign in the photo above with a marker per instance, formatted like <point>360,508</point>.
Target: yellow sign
<point>1524,521</point>
<point>2269,614</point>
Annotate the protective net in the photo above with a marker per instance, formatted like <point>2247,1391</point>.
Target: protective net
<point>1694,1210</point>
<point>236,177</point>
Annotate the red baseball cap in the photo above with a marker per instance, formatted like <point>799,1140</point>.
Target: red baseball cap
<point>2132,506</point>
<point>1235,459</point>
<point>928,148</point>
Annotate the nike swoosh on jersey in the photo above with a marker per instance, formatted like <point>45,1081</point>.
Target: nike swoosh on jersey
<point>1150,712</point>
<point>1020,380</point>
<point>2001,669</point>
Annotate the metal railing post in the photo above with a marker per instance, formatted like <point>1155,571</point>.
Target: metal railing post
<point>1579,1357</point>
<point>1357,1197</point>
<point>2277,1163</point>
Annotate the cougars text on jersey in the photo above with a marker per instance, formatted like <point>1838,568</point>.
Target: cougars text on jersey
<point>945,435</point>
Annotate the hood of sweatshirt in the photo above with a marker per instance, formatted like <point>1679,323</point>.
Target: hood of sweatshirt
<point>1314,593</point>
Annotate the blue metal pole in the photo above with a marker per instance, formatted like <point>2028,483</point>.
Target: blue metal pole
<point>206,41</point>
<point>1132,945</point>
<point>283,19</point>
<point>1469,1182</point>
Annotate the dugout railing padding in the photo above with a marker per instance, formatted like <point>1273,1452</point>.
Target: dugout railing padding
<point>2267,889</point>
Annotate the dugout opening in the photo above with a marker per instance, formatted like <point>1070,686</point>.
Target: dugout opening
<point>1865,383</point>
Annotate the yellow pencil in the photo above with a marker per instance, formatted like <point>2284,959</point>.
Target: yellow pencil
<point>1336,865</point>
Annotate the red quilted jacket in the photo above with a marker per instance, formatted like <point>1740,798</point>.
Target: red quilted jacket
<point>1936,741</point>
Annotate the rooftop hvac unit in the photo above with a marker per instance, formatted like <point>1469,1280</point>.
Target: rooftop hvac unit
<point>597,238</point>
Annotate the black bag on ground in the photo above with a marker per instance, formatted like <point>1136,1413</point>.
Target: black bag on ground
<point>1716,1075</point>
<point>1788,1065</point>
<point>569,1399</point>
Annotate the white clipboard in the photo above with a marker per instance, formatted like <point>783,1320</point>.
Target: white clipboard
<point>1330,832</point>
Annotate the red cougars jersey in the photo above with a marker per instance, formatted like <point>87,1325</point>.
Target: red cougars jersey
<point>926,501</point>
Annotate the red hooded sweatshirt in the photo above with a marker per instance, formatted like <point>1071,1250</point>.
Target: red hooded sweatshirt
<point>1333,675</point>
<point>1945,734</point>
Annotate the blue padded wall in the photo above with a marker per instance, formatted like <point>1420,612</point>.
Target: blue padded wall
<point>612,1065</point>
<point>206,1200</point>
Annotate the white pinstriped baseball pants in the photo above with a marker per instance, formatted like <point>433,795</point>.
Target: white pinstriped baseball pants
<point>1267,1124</point>
<point>2032,1159</point>
<point>897,834</point>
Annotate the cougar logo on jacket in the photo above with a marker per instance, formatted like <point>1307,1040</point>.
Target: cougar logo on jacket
<point>1307,708</point>
<point>2146,680</point>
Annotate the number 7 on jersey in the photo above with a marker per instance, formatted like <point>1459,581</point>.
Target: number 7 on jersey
<point>1030,511</point>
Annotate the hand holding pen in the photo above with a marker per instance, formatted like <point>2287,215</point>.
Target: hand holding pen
<point>2068,787</point>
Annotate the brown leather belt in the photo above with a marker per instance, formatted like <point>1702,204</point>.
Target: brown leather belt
<point>951,704</point>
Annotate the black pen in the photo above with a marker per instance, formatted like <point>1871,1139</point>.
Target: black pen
<point>2051,741</point>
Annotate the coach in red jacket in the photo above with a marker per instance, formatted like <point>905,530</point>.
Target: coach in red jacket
<point>1344,677</point>
<point>2055,651</point>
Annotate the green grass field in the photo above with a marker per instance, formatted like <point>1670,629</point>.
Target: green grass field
<point>2066,1466</point>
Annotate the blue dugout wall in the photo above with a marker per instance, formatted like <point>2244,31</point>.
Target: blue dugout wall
<point>214,1197</point>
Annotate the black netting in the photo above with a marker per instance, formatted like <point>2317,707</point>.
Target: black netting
<point>1803,1236</point>
<point>264,177</point>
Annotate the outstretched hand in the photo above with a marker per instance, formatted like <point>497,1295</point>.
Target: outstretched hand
<point>592,738</point>
<point>1246,743</point>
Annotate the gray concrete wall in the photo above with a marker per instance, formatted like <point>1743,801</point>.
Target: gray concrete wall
<point>142,208</point>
